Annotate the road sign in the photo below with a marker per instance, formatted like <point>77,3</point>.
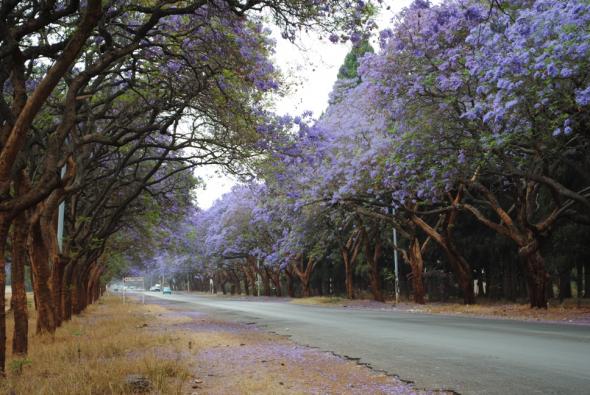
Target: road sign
<point>132,279</point>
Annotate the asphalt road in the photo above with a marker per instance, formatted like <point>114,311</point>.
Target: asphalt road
<point>468,355</point>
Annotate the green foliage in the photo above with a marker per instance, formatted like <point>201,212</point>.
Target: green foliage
<point>351,63</point>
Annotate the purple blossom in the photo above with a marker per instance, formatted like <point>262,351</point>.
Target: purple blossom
<point>583,96</point>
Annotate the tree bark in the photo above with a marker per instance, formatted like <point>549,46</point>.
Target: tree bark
<point>523,232</point>
<point>587,278</point>
<point>246,279</point>
<point>266,281</point>
<point>96,284</point>
<point>4,226</point>
<point>19,295</point>
<point>305,287</point>
<point>57,276</point>
<point>290,288</point>
<point>236,282</point>
<point>75,289</point>
<point>349,252</point>
<point>275,276</point>
<point>66,291</point>
<point>464,275</point>
<point>348,274</point>
<point>251,271</point>
<point>537,280</point>
<point>304,273</point>
<point>48,225</point>
<point>17,136</point>
<point>84,281</point>
<point>39,259</point>
<point>460,266</point>
<point>414,258</point>
<point>550,293</point>
<point>565,285</point>
<point>94,273</point>
<point>373,253</point>
<point>579,279</point>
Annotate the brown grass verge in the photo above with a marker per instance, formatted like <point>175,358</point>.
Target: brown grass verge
<point>95,352</point>
<point>321,300</point>
<point>571,310</point>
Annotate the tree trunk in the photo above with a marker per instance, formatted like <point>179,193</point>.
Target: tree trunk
<point>536,279</point>
<point>510,281</point>
<point>464,276</point>
<point>66,291</point>
<point>579,279</point>
<point>348,275</point>
<point>93,281</point>
<point>550,291</point>
<point>349,252</point>
<point>98,285</point>
<point>305,288</point>
<point>75,289</point>
<point>246,280</point>
<point>39,259</point>
<point>275,276</point>
<point>236,281</point>
<point>373,254</point>
<point>416,264</point>
<point>565,285</point>
<point>48,218</point>
<point>19,295</point>
<point>57,276</point>
<point>251,271</point>
<point>304,273</point>
<point>518,229</point>
<point>290,288</point>
<point>266,281</point>
<point>82,282</point>
<point>587,278</point>
<point>4,226</point>
<point>460,266</point>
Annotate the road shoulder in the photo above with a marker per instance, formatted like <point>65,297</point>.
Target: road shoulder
<point>231,358</point>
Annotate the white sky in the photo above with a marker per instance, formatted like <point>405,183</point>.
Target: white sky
<point>310,66</point>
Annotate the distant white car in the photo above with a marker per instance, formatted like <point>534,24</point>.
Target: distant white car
<point>155,288</point>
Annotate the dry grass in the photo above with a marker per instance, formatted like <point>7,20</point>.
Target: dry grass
<point>569,311</point>
<point>93,354</point>
<point>320,300</point>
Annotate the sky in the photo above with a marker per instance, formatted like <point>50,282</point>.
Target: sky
<point>310,65</point>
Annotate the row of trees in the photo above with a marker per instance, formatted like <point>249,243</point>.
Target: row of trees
<point>467,133</point>
<point>105,107</point>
